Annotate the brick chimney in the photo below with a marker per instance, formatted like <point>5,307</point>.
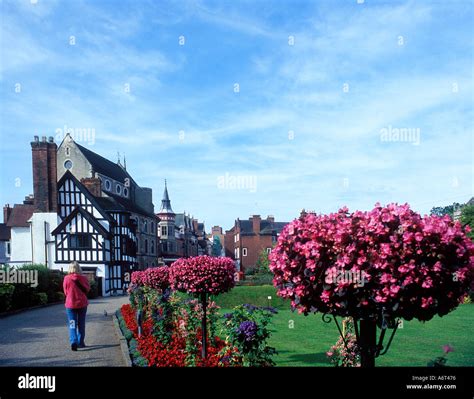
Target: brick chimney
<point>93,184</point>
<point>7,211</point>
<point>256,223</point>
<point>44,156</point>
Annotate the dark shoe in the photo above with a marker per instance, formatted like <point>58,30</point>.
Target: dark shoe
<point>81,346</point>
<point>74,347</point>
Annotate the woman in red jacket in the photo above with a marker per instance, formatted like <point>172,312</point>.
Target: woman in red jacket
<point>76,286</point>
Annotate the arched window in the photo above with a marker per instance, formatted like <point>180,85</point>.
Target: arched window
<point>146,246</point>
<point>153,247</point>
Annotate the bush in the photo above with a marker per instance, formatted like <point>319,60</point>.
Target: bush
<point>42,298</point>
<point>48,290</point>
<point>246,329</point>
<point>94,291</point>
<point>59,296</point>
<point>6,295</point>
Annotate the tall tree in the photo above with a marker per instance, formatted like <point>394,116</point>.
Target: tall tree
<point>445,210</point>
<point>216,246</point>
<point>467,218</point>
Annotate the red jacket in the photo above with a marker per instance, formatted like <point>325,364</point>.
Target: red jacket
<point>75,298</point>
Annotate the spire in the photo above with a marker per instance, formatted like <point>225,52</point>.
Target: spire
<point>165,202</point>
<point>124,162</point>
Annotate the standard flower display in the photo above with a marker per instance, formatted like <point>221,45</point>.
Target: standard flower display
<point>374,266</point>
<point>388,261</point>
<point>203,274</point>
<point>157,277</point>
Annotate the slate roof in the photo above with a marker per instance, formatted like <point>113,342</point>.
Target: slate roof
<point>266,227</point>
<point>116,203</point>
<point>5,232</point>
<point>104,166</point>
<point>20,215</point>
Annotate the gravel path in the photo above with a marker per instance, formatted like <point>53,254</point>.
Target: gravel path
<point>40,337</point>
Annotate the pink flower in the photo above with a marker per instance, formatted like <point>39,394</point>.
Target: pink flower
<point>392,247</point>
<point>447,348</point>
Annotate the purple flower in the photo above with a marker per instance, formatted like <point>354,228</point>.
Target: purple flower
<point>247,330</point>
<point>228,316</point>
<point>271,309</point>
<point>250,307</point>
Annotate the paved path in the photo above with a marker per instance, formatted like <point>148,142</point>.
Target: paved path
<point>40,337</point>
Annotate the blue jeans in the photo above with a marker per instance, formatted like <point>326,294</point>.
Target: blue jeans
<point>77,325</point>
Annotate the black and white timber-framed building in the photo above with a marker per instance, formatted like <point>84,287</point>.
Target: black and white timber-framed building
<point>107,221</point>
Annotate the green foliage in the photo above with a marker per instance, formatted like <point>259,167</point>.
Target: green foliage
<point>345,353</point>
<point>6,295</point>
<point>49,288</point>
<point>137,359</point>
<point>42,298</point>
<point>467,218</point>
<point>445,210</point>
<point>246,328</point>
<point>262,265</point>
<point>94,291</point>
<point>216,246</point>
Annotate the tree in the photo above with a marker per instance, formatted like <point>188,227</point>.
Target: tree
<point>262,265</point>
<point>445,210</point>
<point>216,246</point>
<point>375,267</point>
<point>467,218</point>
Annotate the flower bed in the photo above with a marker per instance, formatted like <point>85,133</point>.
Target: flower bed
<point>166,325</point>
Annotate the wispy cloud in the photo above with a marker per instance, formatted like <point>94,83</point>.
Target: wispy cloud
<point>316,83</point>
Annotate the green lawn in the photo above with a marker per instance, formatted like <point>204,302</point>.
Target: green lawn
<point>303,340</point>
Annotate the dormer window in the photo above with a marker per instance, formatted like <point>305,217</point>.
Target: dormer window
<point>108,185</point>
<point>118,189</point>
<point>125,192</point>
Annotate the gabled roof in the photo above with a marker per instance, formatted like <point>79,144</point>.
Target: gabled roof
<point>5,232</point>
<point>86,192</point>
<point>20,214</point>
<point>110,203</point>
<point>101,229</point>
<point>104,166</point>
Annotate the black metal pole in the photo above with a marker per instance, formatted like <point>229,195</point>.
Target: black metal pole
<point>204,325</point>
<point>368,337</point>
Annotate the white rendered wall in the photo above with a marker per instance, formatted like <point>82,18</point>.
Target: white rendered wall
<point>20,246</point>
<point>42,224</point>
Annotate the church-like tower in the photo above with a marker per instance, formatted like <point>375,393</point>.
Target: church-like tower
<point>166,226</point>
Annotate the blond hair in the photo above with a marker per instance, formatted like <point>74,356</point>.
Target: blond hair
<point>75,267</point>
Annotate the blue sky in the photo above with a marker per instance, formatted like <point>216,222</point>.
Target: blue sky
<point>290,97</point>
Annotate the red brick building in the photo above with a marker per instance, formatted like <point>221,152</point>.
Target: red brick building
<point>247,238</point>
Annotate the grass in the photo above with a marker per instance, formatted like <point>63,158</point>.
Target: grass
<point>303,340</point>
<point>256,295</point>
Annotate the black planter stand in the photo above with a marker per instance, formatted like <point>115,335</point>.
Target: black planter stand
<point>368,342</point>
<point>204,325</point>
